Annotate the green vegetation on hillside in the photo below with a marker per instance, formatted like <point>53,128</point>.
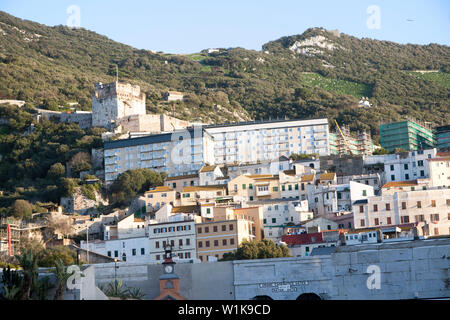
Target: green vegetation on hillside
<point>62,64</point>
<point>335,85</point>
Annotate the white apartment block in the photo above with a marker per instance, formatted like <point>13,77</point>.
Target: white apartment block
<point>178,234</point>
<point>328,199</point>
<point>398,167</point>
<point>430,209</point>
<point>278,213</point>
<point>263,167</point>
<point>177,153</point>
<point>439,172</point>
<point>133,250</point>
<point>249,142</point>
<point>370,179</point>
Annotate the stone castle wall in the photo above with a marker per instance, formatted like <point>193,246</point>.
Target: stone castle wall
<point>114,101</point>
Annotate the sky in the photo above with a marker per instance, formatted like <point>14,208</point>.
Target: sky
<point>188,26</point>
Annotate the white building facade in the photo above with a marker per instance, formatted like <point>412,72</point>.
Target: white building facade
<point>250,142</point>
<point>178,153</point>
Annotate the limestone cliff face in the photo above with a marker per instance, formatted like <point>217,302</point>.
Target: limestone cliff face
<point>79,203</point>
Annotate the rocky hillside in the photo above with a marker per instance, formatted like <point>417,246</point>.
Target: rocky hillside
<point>319,73</point>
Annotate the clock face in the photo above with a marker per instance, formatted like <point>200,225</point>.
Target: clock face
<point>168,269</point>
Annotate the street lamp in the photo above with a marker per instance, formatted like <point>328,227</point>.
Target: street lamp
<point>115,270</point>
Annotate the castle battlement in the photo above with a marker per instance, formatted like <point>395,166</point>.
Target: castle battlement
<point>116,100</point>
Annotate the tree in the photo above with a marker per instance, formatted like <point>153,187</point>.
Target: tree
<point>29,262</point>
<point>67,186</point>
<point>132,182</point>
<point>380,151</point>
<point>80,162</point>
<point>56,171</point>
<point>22,209</point>
<point>263,249</point>
<point>49,256</point>
<point>62,276</point>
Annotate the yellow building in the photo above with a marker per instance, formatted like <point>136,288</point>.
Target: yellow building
<point>190,195</point>
<point>254,187</point>
<point>228,229</point>
<point>179,182</point>
<point>158,197</point>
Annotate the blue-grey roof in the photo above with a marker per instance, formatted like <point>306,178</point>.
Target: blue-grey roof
<point>150,139</point>
<point>322,251</point>
<point>245,123</point>
<point>361,201</point>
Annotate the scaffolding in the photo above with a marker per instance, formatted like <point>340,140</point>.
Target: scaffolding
<point>11,230</point>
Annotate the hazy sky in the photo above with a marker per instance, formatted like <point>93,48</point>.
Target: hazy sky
<point>183,26</point>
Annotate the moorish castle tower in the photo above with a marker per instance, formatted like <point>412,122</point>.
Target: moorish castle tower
<point>114,101</point>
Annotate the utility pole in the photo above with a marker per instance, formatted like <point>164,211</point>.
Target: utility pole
<point>87,243</point>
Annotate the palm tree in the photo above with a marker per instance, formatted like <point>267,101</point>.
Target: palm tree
<point>28,261</point>
<point>62,276</point>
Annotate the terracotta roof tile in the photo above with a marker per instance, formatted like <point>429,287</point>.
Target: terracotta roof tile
<point>396,184</point>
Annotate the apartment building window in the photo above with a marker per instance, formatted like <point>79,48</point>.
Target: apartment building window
<point>404,219</point>
<point>207,244</point>
<point>403,205</point>
<point>231,241</point>
<point>393,177</point>
<point>187,255</point>
<point>377,221</point>
<point>422,173</point>
<point>158,257</point>
<point>389,220</point>
<point>109,253</point>
<point>172,243</point>
<point>224,242</point>
<point>361,209</point>
<point>290,187</point>
<point>433,203</point>
<point>362,223</point>
<point>265,221</point>
<point>164,244</point>
<point>434,217</point>
<point>392,167</point>
<point>275,189</point>
<point>250,186</point>
<point>215,228</point>
<point>142,251</point>
<point>192,183</point>
<point>405,166</point>
<point>244,186</point>
<point>436,231</point>
<point>364,193</point>
<point>283,188</point>
<point>230,227</point>
<point>116,253</point>
<point>419,204</point>
<point>200,244</point>
<point>406,176</point>
<point>420,218</point>
<point>199,230</point>
<point>303,187</point>
<point>420,163</point>
<point>224,227</point>
<point>375,207</point>
<point>296,187</point>
<point>180,242</point>
<point>251,198</point>
<point>274,220</point>
<point>216,243</point>
<point>388,206</point>
<point>206,229</point>
<point>133,252</point>
<point>188,242</point>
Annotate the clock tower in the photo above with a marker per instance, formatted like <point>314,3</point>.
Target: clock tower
<point>169,282</point>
